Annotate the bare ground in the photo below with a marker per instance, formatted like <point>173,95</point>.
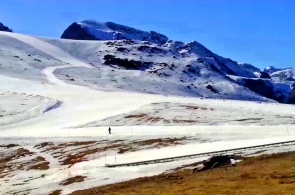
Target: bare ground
<point>266,174</point>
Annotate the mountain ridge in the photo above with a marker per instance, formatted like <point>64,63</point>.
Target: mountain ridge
<point>92,30</point>
<point>168,68</point>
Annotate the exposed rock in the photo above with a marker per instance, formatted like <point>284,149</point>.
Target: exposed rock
<point>122,49</point>
<point>249,67</point>
<point>212,88</point>
<point>264,75</point>
<point>92,30</point>
<point>4,28</point>
<point>125,63</point>
<point>74,31</point>
<point>259,86</point>
<point>214,162</point>
<point>292,94</point>
<point>271,69</point>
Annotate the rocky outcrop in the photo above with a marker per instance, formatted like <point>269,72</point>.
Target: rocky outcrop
<point>216,161</point>
<point>74,31</point>
<point>92,30</point>
<point>4,28</point>
<point>266,88</point>
<point>264,75</point>
<point>291,99</point>
<point>260,86</point>
<point>125,63</point>
<point>249,67</point>
<point>219,63</point>
<point>125,32</point>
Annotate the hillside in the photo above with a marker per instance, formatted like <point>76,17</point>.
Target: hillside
<point>248,177</point>
<point>164,67</point>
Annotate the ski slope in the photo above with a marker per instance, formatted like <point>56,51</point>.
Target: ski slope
<point>81,106</point>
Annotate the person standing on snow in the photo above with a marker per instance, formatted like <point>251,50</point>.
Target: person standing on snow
<point>110,130</point>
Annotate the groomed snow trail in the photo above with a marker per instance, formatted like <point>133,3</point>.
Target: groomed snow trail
<point>79,104</point>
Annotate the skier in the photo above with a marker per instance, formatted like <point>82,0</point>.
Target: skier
<point>110,130</point>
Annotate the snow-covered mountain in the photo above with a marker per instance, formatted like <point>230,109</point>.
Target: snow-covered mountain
<point>174,68</point>
<point>254,70</point>
<point>249,67</point>
<point>284,75</point>
<point>145,62</point>
<point>92,30</point>
<point>187,68</point>
<point>271,69</point>
<point>4,28</point>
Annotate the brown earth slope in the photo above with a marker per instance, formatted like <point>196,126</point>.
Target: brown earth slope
<point>267,174</point>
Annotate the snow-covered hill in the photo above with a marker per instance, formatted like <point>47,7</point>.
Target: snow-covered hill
<point>16,107</point>
<point>171,69</point>
<point>18,59</point>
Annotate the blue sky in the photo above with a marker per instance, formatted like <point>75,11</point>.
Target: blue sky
<point>255,31</point>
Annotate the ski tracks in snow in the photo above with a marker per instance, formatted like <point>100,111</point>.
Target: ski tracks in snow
<point>80,104</point>
<point>52,51</point>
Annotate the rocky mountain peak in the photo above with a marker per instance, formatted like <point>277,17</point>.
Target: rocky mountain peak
<point>93,30</point>
<point>4,28</point>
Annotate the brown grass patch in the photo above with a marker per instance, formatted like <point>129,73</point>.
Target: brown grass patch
<point>39,164</point>
<point>83,143</point>
<point>160,141</point>
<point>71,159</point>
<point>146,118</point>
<point>8,146</point>
<point>56,192</point>
<point>185,121</point>
<point>136,116</point>
<point>16,154</point>
<point>82,156</point>
<point>190,107</point>
<point>7,166</point>
<point>51,146</point>
<point>72,180</point>
<point>267,174</point>
<point>68,156</point>
<point>157,142</point>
